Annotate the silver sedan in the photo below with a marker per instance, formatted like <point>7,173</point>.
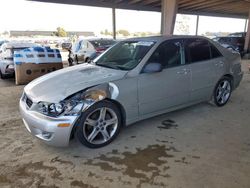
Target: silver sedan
<point>134,80</point>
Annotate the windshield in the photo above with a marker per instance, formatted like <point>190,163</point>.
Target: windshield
<point>125,55</point>
<point>76,46</point>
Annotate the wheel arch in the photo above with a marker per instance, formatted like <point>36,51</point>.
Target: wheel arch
<point>231,79</point>
<point>118,104</point>
<point>121,108</point>
<point>86,59</point>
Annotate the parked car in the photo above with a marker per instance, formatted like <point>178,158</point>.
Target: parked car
<point>238,34</point>
<point>88,49</point>
<point>6,56</point>
<point>2,42</point>
<point>134,80</point>
<point>66,45</point>
<point>235,43</point>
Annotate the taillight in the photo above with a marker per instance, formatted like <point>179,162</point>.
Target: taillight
<point>99,50</point>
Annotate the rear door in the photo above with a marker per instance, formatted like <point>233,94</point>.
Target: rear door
<point>218,61</point>
<point>202,65</point>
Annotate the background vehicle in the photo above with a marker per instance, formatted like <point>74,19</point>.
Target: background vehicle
<point>88,49</point>
<point>232,42</point>
<point>6,56</point>
<point>238,34</point>
<point>66,45</point>
<point>134,80</point>
<point>2,42</point>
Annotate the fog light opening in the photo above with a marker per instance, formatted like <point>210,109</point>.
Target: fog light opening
<point>46,135</point>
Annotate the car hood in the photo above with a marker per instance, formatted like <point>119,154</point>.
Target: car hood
<point>60,84</point>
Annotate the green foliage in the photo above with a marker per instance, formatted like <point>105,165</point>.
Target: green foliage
<point>182,25</point>
<point>123,32</point>
<point>126,33</point>
<point>61,32</point>
<point>106,32</point>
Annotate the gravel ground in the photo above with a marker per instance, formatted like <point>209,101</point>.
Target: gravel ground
<point>200,146</point>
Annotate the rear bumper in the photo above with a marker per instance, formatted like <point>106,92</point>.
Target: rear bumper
<point>47,129</point>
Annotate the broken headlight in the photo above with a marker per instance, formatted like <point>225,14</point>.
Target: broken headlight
<point>50,109</point>
<point>71,106</point>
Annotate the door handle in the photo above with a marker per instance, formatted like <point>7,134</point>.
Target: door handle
<point>219,64</point>
<point>184,71</point>
<point>181,72</point>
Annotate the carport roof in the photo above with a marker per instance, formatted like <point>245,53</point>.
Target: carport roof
<point>225,8</point>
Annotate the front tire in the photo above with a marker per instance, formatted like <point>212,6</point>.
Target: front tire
<point>99,125</point>
<point>222,91</point>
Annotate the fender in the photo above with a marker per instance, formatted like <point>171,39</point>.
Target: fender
<point>99,93</point>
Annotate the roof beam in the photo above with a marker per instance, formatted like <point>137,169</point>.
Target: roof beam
<point>225,8</point>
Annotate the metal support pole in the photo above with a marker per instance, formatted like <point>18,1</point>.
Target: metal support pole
<point>168,15</point>
<point>114,22</point>
<point>197,25</point>
<point>245,28</point>
<point>246,46</point>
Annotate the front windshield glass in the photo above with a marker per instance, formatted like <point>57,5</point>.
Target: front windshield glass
<point>76,46</point>
<point>126,55</point>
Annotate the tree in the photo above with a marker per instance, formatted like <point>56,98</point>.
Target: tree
<point>182,25</point>
<point>123,32</point>
<point>5,33</point>
<point>60,32</point>
<point>106,32</point>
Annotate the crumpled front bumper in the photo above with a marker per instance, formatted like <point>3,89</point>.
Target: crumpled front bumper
<point>51,130</point>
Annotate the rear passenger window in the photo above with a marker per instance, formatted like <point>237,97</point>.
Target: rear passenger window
<point>215,52</point>
<point>197,50</point>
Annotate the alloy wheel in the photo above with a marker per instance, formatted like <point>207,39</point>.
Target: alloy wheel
<point>100,125</point>
<point>223,92</point>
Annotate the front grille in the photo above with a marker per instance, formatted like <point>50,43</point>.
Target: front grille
<point>28,102</point>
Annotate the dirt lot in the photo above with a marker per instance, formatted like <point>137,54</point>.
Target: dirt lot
<point>200,146</point>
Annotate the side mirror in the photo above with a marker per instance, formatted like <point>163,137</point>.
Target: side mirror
<point>152,67</point>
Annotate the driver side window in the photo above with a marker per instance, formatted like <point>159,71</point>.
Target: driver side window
<point>168,54</point>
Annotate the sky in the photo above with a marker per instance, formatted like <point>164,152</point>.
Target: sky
<point>26,15</point>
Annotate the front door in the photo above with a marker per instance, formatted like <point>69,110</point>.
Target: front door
<point>168,88</point>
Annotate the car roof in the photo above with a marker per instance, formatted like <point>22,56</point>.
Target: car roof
<point>96,39</point>
<point>166,37</point>
<point>19,44</point>
<point>227,37</point>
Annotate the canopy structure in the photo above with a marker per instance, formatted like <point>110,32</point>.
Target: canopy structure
<point>169,9</point>
<point>226,8</point>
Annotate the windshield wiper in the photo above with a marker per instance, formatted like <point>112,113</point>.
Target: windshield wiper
<point>108,66</point>
<point>122,67</point>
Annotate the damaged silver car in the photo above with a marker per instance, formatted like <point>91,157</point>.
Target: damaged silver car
<point>134,80</point>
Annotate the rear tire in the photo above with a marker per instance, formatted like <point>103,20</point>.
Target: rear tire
<point>222,91</point>
<point>99,125</point>
<point>76,59</point>
<point>2,76</point>
<point>87,60</point>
